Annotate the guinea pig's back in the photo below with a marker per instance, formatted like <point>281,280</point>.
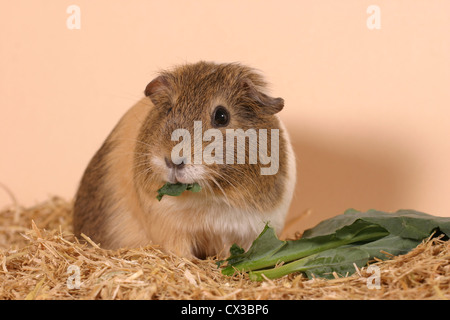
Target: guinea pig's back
<point>106,192</point>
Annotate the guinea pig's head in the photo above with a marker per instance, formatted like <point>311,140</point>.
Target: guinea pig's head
<point>212,124</point>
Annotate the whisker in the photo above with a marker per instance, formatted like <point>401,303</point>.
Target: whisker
<point>221,189</point>
<point>238,191</point>
<point>243,172</point>
<point>205,185</point>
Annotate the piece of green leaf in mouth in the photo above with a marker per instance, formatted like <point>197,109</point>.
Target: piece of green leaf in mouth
<point>175,189</point>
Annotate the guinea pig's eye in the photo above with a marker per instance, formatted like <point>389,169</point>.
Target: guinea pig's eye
<point>220,117</point>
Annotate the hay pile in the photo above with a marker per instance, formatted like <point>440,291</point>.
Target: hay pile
<point>38,255</point>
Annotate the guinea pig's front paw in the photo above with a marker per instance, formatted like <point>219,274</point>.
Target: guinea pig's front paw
<point>180,247</point>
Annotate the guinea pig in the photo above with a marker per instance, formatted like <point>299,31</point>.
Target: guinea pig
<point>116,203</point>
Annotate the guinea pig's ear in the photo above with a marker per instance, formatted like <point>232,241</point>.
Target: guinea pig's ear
<point>158,84</point>
<point>269,105</point>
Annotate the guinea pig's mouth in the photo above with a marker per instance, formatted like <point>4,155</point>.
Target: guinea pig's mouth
<point>182,175</point>
<point>186,173</point>
<point>179,173</point>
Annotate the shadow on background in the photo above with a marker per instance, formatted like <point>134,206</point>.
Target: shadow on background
<point>332,178</point>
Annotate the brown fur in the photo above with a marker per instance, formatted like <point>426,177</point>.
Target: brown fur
<point>116,203</point>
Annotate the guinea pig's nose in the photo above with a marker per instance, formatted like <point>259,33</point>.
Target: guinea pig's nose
<point>171,164</point>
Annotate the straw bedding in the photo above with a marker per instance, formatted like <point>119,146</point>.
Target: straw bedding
<point>38,255</point>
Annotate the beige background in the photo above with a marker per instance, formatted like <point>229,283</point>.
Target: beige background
<point>368,110</point>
